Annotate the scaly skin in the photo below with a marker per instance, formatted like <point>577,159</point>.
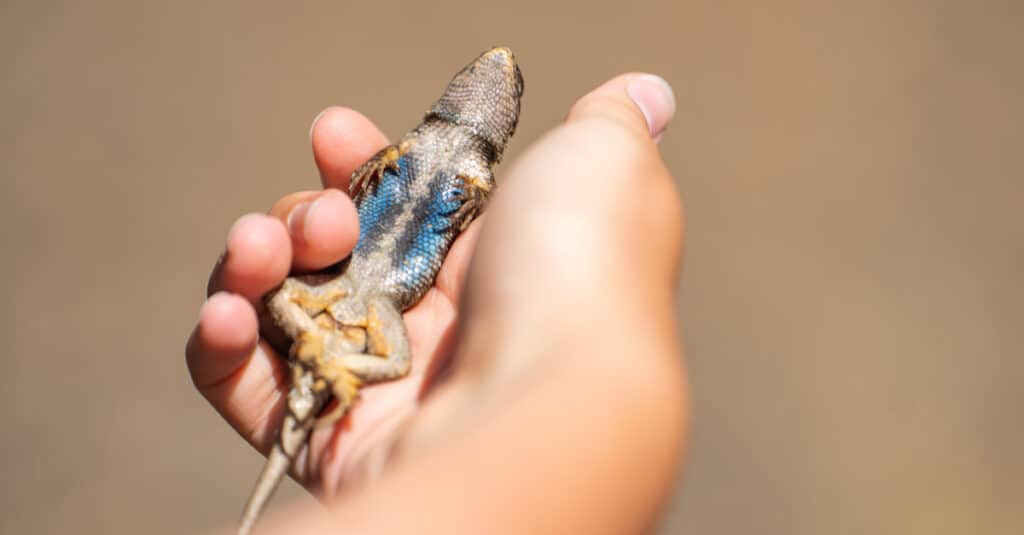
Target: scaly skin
<point>413,200</point>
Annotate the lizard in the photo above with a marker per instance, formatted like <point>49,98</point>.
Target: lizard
<point>413,198</point>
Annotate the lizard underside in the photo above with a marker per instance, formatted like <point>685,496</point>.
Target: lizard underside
<point>413,198</point>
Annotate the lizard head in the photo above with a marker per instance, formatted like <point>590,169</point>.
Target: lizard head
<point>484,97</point>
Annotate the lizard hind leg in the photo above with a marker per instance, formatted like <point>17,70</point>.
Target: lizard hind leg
<point>387,357</point>
<point>344,386</point>
<point>387,354</point>
<point>294,305</point>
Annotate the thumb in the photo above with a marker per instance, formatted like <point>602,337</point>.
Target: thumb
<point>587,209</point>
<point>643,103</point>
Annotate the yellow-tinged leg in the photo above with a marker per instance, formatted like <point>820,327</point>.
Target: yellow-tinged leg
<point>315,302</point>
<point>308,349</point>
<point>376,339</point>
<point>387,357</point>
<point>368,174</point>
<point>345,387</point>
<point>354,335</point>
<point>474,194</point>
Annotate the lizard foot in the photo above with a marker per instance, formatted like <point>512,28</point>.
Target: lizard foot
<point>309,352</point>
<point>344,385</point>
<point>473,192</point>
<point>369,174</point>
<point>386,357</point>
<point>313,299</point>
<point>308,349</point>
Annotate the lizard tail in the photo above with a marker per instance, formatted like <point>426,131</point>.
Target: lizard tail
<point>271,476</point>
<point>294,431</point>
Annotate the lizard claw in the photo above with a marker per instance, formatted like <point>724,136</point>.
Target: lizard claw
<point>472,196</point>
<point>345,387</point>
<point>368,175</point>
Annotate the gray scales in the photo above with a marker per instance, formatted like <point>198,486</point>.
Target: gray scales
<point>345,323</point>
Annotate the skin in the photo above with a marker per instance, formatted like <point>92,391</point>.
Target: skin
<point>547,393</point>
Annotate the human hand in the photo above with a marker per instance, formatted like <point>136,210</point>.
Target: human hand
<point>559,340</point>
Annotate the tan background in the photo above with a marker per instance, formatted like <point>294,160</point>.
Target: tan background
<point>852,299</point>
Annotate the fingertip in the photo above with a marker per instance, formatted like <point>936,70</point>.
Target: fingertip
<point>316,120</point>
<point>224,337</point>
<point>642,102</point>
<point>258,255</point>
<point>228,322</point>
<point>656,100</point>
<point>323,230</point>
<point>237,373</point>
<point>342,140</point>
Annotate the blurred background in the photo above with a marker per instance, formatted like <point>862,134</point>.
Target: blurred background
<point>852,297</point>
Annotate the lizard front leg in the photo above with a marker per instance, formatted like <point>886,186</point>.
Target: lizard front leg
<point>473,190</point>
<point>369,174</point>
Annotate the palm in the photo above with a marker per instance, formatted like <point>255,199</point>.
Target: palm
<point>564,284</point>
<point>347,453</point>
<point>246,380</point>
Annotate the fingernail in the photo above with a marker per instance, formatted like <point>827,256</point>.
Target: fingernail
<point>316,120</point>
<point>298,220</point>
<point>655,98</point>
